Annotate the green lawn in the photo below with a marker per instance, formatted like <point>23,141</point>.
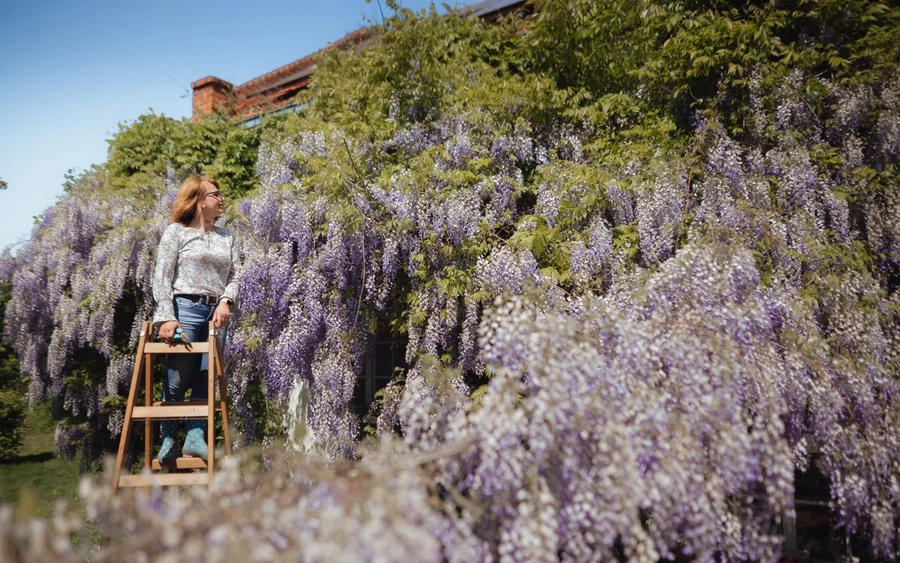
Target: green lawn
<point>35,480</point>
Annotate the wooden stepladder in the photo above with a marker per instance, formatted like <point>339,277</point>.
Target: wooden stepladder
<point>143,368</point>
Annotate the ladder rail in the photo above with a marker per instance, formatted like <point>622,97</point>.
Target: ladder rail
<point>129,408</point>
<point>148,396</point>
<point>223,390</point>
<point>213,347</point>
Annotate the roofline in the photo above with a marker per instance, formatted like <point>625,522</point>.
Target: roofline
<point>362,37</point>
<point>275,87</point>
<point>483,8</point>
<point>300,68</point>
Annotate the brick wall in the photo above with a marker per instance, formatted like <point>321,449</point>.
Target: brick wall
<point>211,94</point>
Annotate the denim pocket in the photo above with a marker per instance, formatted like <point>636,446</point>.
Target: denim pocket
<point>184,302</point>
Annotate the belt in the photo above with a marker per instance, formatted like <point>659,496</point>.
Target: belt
<point>204,299</point>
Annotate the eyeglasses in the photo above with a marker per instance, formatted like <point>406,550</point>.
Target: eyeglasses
<point>216,194</point>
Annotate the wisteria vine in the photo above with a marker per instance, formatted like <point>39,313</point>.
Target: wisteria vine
<point>627,357</point>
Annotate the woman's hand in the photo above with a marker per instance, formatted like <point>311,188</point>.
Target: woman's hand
<point>167,332</point>
<point>222,314</point>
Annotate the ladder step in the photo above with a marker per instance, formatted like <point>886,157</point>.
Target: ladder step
<point>163,348</point>
<point>180,463</point>
<point>173,410</point>
<point>164,479</point>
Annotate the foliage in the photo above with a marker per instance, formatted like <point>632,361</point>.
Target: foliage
<point>12,419</point>
<point>11,377</point>
<point>12,387</point>
<point>644,256</point>
<point>145,149</point>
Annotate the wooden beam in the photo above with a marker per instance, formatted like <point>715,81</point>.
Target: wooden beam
<point>171,411</point>
<point>180,463</point>
<point>163,348</point>
<point>164,479</point>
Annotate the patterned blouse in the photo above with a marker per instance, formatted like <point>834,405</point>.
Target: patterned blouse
<point>193,262</point>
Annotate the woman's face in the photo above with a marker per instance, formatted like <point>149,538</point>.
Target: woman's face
<point>213,203</point>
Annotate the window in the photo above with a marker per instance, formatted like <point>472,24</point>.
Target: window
<point>382,364</point>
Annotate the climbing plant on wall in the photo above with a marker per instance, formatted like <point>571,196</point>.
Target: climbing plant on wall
<point>644,256</point>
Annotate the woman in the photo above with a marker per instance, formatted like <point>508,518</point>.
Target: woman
<point>193,283</point>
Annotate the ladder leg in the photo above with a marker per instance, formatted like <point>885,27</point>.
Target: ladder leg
<point>212,358</point>
<point>223,403</point>
<point>129,407</point>
<point>148,400</point>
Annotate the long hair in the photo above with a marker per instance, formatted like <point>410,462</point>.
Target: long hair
<point>190,194</point>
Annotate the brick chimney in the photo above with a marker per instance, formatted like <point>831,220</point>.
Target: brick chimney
<point>210,93</point>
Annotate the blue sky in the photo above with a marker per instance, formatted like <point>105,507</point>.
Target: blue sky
<point>71,71</point>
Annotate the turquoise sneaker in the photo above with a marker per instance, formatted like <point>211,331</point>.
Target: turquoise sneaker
<point>167,448</point>
<point>195,442</point>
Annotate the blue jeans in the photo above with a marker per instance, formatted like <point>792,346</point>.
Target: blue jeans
<point>190,370</point>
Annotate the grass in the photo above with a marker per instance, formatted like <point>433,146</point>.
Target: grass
<point>37,479</point>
